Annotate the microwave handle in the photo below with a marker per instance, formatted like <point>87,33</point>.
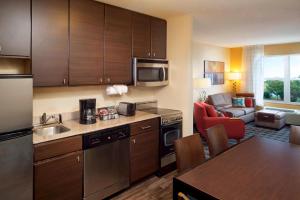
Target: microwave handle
<point>164,72</point>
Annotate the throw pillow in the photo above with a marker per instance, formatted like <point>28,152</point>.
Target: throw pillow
<point>211,111</point>
<point>238,102</point>
<point>249,102</point>
<point>220,114</point>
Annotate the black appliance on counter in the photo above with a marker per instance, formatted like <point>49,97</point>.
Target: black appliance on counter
<point>126,108</point>
<point>106,162</point>
<point>16,155</point>
<point>87,111</point>
<point>170,130</point>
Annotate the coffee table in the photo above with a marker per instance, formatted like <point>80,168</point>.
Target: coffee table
<point>270,118</point>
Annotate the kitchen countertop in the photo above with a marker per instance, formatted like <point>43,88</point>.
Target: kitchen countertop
<point>79,129</point>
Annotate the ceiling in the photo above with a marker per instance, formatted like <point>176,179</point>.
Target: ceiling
<point>229,23</point>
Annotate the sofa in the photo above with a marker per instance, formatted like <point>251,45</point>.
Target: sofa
<point>223,103</point>
<point>235,128</point>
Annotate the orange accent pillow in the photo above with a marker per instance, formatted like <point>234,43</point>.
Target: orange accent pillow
<point>249,102</point>
<point>211,111</point>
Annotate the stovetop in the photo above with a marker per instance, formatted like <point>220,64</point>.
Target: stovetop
<point>162,111</point>
<point>168,116</point>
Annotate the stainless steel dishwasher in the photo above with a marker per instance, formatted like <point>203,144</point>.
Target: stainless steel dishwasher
<point>106,162</point>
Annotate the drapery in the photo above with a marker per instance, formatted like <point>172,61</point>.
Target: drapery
<point>253,72</point>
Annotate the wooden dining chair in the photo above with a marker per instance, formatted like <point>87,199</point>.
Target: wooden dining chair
<point>295,135</point>
<point>189,152</point>
<point>217,140</point>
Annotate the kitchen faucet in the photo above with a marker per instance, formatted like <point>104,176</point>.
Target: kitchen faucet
<point>44,119</point>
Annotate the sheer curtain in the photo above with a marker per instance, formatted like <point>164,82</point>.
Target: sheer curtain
<point>253,71</point>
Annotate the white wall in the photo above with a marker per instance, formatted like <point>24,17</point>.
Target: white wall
<point>201,52</point>
<point>178,94</point>
<point>66,99</point>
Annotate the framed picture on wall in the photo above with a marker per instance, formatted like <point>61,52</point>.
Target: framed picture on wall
<point>215,71</point>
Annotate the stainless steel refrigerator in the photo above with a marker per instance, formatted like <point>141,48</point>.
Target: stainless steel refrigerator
<point>16,149</point>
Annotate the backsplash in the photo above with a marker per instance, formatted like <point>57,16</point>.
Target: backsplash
<point>66,99</point>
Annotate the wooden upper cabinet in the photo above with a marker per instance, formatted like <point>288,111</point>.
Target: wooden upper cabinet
<point>158,38</point>
<point>141,35</point>
<point>86,42</point>
<point>15,28</point>
<point>117,46</point>
<point>50,42</point>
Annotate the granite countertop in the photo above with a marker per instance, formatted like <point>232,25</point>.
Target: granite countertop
<point>79,129</point>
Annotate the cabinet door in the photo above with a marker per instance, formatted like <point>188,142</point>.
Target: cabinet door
<point>117,46</point>
<point>15,28</point>
<point>158,38</point>
<point>86,42</point>
<point>144,158</point>
<point>141,35</point>
<point>50,42</point>
<point>59,178</point>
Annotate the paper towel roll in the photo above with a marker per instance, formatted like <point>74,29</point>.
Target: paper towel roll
<point>116,90</point>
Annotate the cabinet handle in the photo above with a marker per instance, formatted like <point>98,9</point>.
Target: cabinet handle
<point>133,141</point>
<point>0,48</point>
<point>100,80</point>
<point>149,54</point>
<point>78,159</point>
<point>108,80</point>
<point>64,81</point>
<point>154,54</point>
<point>145,127</point>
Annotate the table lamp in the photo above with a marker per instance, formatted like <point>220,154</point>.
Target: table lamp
<point>202,83</point>
<point>234,76</point>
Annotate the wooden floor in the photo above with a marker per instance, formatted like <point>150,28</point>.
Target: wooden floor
<point>150,189</point>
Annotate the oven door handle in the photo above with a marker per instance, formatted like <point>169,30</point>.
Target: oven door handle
<point>164,73</point>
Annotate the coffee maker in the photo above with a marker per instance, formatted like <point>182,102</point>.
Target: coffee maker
<point>87,111</point>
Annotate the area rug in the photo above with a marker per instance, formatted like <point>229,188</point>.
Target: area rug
<point>279,135</point>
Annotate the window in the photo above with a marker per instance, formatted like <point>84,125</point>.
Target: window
<point>295,78</point>
<point>282,78</point>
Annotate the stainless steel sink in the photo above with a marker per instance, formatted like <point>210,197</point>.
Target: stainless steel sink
<point>51,130</point>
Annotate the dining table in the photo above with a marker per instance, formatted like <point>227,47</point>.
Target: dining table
<point>257,168</point>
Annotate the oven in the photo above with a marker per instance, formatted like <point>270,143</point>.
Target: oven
<point>150,72</point>
<point>169,133</point>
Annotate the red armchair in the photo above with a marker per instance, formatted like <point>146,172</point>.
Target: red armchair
<point>235,128</point>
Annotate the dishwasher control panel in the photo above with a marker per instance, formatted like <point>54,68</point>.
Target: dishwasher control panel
<point>106,136</point>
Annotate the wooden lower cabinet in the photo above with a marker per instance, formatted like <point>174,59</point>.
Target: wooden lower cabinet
<point>144,157</point>
<point>59,178</point>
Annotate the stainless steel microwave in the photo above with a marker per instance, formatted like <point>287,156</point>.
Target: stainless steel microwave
<point>150,72</point>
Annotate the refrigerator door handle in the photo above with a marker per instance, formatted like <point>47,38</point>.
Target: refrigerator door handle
<point>13,135</point>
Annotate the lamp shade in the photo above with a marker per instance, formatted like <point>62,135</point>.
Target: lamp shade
<point>202,83</point>
<point>233,76</point>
